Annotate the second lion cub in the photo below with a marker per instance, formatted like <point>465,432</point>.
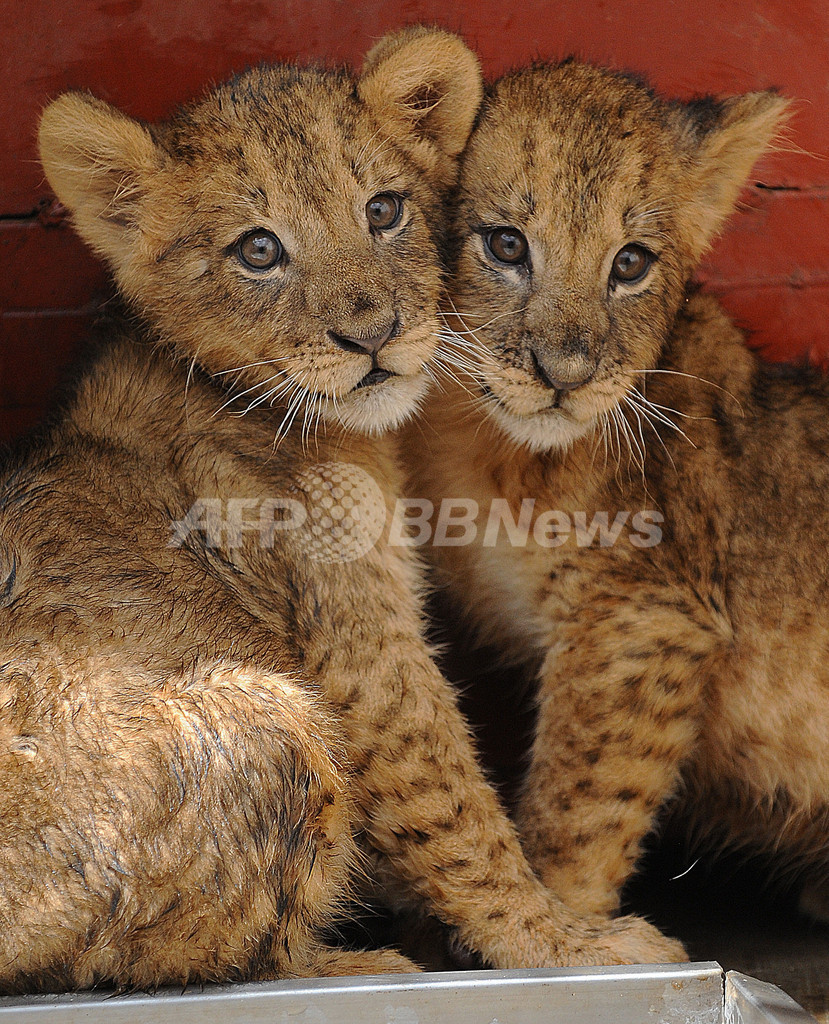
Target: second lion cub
<point>664,567</point>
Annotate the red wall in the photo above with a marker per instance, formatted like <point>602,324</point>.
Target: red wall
<point>771,268</point>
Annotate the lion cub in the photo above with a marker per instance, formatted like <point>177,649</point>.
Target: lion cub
<point>640,507</point>
<point>213,673</point>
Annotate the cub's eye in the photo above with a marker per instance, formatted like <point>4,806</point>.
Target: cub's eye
<point>507,245</point>
<point>630,264</point>
<point>259,249</point>
<point>384,211</point>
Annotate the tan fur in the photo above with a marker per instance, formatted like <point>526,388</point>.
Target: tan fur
<point>697,665</point>
<point>196,733</point>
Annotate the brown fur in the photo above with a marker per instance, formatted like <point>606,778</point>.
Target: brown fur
<point>196,733</point>
<point>697,665</point>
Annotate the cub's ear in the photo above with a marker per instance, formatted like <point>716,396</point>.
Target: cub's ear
<point>728,137</point>
<point>97,161</point>
<point>425,84</point>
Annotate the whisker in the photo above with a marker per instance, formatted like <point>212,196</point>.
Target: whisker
<point>658,437</point>
<point>464,349</point>
<point>433,377</point>
<point>484,324</point>
<point>640,440</point>
<point>298,397</point>
<point>283,388</point>
<point>447,370</point>
<point>691,376</point>
<point>233,397</point>
<point>269,396</point>
<point>605,424</point>
<point>614,421</point>
<point>623,440</point>
<point>323,400</point>
<point>599,438</point>
<point>465,346</point>
<point>625,430</point>
<point>248,366</point>
<point>308,417</point>
<point>188,380</point>
<point>455,350</point>
<point>676,412</point>
<point>478,406</point>
<point>640,395</point>
<point>656,414</point>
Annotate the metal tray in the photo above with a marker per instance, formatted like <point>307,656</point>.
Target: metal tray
<point>698,993</point>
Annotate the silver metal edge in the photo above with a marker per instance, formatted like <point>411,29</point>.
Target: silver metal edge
<point>749,1001</point>
<point>663,994</point>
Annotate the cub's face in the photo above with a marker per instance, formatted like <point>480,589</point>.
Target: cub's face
<point>584,204</point>
<point>294,251</point>
<point>284,234</point>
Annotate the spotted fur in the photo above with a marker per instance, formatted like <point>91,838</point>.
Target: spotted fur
<point>695,665</point>
<point>196,735</point>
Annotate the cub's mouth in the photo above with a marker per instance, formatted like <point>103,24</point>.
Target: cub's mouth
<point>376,375</point>
<point>538,421</point>
<point>381,400</point>
<point>386,395</point>
<point>524,410</point>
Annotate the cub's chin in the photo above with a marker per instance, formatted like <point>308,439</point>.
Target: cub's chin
<point>376,408</point>
<point>545,431</point>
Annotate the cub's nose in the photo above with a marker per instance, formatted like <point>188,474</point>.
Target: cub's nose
<point>368,344</point>
<point>565,377</point>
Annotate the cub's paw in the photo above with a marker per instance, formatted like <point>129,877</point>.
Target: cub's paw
<point>561,937</point>
<point>338,963</point>
<point>628,940</point>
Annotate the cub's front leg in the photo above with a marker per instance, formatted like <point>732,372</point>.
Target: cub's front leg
<point>426,808</point>
<point>619,711</point>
